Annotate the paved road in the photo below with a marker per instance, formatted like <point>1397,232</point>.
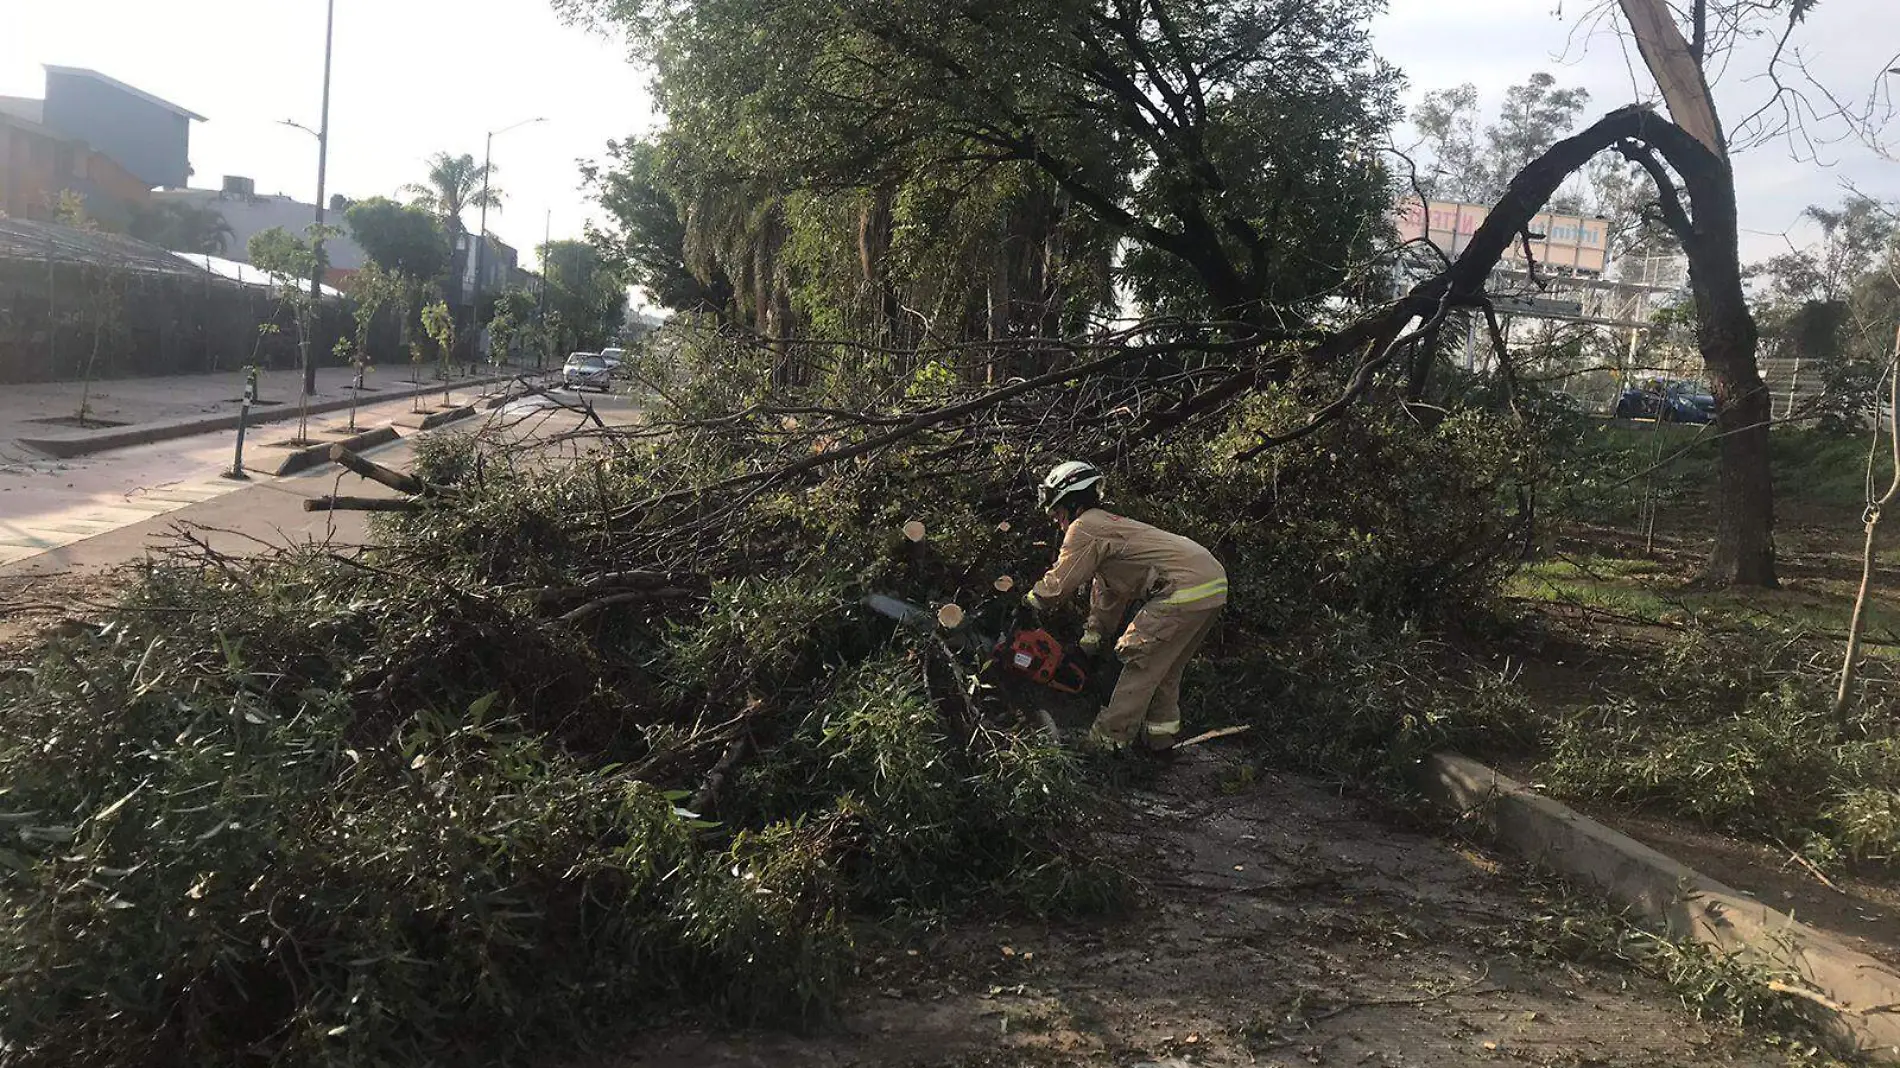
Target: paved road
<point>47,503</point>
<point>92,513</point>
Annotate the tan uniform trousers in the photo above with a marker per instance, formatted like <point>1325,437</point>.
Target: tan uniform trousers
<point>1154,652</point>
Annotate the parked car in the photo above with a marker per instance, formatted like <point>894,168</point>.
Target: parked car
<point>1669,402</point>
<point>587,370</point>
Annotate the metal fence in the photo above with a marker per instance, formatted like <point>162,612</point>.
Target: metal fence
<point>77,304</point>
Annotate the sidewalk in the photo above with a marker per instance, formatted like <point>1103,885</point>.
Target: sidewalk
<point>270,510</point>
<point>82,514</point>
<point>45,504</point>
<point>38,415</point>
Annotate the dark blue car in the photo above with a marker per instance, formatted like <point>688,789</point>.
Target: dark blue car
<point>1670,402</point>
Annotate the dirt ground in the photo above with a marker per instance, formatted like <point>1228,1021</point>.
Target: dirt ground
<point>31,602</point>
<point>1282,923</point>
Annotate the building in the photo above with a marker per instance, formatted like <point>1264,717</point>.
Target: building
<point>38,165</point>
<point>498,262</point>
<point>249,214</point>
<point>92,136</point>
<point>149,137</point>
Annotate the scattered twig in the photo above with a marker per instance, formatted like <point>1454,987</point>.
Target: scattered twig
<point>630,597</point>
<point>1809,866</point>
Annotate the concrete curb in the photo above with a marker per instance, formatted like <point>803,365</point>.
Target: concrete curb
<point>1855,998</point>
<point>291,461</point>
<point>66,447</point>
<point>431,420</point>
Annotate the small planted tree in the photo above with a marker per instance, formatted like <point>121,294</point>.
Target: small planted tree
<point>410,246</point>
<point>439,323</point>
<point>512,322</point>
<point>373,289</point>
<point>99,315</point>
<point>290,260</point>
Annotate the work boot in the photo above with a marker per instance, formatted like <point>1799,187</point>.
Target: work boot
<point>1160,737</point>
<point>1096,741</point>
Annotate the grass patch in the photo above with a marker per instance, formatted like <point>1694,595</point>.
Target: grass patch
<point>1736,733</point>
<point>1611,467</point>
<point>1643,591</point>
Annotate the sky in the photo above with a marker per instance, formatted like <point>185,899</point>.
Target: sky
<point>414,77</point>
<point>1494,44</point>
<point>410,78</point>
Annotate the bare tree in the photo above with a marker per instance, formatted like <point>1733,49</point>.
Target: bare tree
<point>1871,521</point>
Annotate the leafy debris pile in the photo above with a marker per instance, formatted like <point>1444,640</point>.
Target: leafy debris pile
<point>576,746</point>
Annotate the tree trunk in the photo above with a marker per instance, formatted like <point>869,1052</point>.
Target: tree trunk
<point>1744,553</point>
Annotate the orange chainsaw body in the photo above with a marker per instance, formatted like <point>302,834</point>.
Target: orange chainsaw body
<point>1037,656</point>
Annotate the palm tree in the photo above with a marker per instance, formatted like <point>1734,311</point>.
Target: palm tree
<point>455,183</point>
<point>183,227</point>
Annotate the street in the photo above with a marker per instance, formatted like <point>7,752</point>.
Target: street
<point>91,512</point>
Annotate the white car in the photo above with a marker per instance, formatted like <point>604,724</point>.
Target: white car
<point>588,370</point>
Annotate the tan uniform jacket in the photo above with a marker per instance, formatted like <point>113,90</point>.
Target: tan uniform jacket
<point>1129,559</point>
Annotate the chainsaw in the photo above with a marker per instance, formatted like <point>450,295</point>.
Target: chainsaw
<point>1030,653</point>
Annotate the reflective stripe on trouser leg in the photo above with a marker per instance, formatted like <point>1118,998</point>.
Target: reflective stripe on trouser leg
<point>1161,730</point>
<point>1151,651</point>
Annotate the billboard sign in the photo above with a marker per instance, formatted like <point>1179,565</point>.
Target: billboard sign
<point>1572,243</point>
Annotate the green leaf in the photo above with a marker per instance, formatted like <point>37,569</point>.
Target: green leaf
<point>478,709</point>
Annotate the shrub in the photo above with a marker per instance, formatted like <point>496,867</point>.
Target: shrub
<point>1732,735</point>
<point>207,868</point>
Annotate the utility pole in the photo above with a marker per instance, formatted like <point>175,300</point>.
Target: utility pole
<point>481,236</point>
<point>541,311</point>
<point>323,164</point>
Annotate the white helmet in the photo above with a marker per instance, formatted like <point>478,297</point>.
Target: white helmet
<point>1064,479</point>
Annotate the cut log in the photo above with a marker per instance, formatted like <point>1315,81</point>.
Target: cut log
<point>375,472</point>
<point>362,504</point>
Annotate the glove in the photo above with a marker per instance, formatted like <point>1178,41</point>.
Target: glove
<point>1032,608</point>
<point>1091,643</point>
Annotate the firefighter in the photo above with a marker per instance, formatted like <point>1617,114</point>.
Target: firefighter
<point>1184,585</point>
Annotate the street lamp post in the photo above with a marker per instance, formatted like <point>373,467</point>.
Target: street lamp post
<point>481,234</point>
<point>322,134</point>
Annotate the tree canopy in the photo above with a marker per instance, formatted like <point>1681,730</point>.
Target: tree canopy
<point>403,239</point>
<point>585,297</point>
<point>1230,143</point>
<point>1473,167</point>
